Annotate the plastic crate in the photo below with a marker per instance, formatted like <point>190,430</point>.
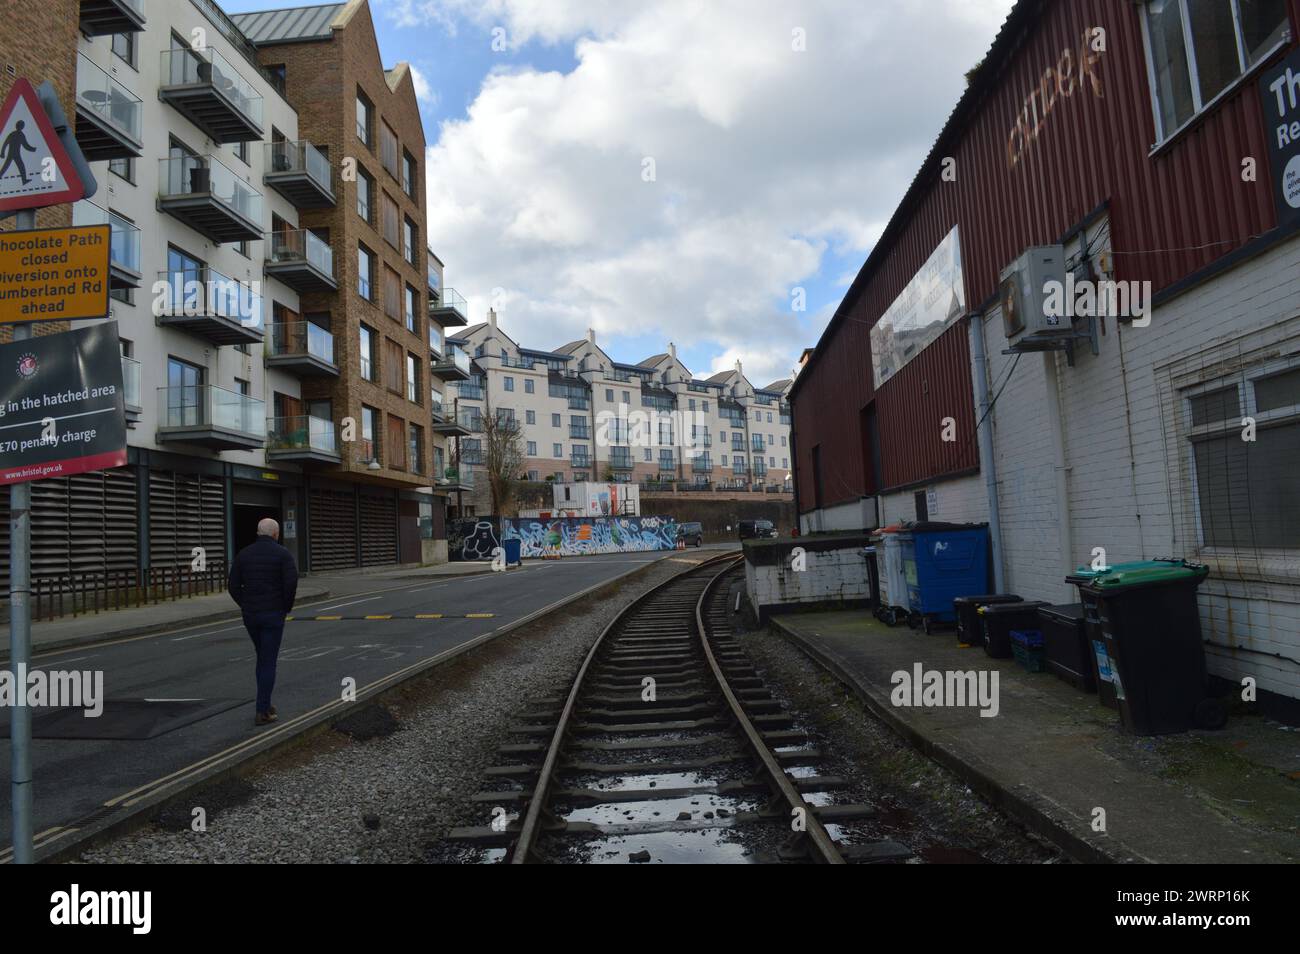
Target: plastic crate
<point>1027,648</point>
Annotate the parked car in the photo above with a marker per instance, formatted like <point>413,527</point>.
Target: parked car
<point>692,532</point>
<point>757,530</point>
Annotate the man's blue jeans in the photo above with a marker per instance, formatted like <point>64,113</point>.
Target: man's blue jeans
<point>266,631</point>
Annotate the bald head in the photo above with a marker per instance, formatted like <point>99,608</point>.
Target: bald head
<point>266,527</point>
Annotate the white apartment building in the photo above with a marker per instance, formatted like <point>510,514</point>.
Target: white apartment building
<point>585,416</point>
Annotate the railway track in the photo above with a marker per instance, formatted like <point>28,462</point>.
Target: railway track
<point>668,746</point>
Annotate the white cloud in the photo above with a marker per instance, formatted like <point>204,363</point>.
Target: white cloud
<point>765,159</point>
<point>424,92</point>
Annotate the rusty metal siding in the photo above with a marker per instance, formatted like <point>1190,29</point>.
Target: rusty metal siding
<point>1171,214</point>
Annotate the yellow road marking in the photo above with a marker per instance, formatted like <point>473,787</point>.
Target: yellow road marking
<point>428,616</point>
<point>329,617</point>
<point>389,616</point>
<point>479,615</point>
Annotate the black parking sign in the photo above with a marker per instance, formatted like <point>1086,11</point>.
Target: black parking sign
<point>1279,90</point>
<point>62,409</point>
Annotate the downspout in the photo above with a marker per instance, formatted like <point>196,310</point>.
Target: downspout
<point>988,464</point>
<point>1064,529</point>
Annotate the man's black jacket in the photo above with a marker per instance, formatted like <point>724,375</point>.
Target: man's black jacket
<point>264,578</point>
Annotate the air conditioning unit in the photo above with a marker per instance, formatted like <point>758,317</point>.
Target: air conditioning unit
<point>1024,291</point>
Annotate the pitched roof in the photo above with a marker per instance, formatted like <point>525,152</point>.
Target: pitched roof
<point>571,347</point>
<point>653,360</point>
<point>473,328</point>
<point>777,386</point>
<point>720,376</point>
<point>289,24</point>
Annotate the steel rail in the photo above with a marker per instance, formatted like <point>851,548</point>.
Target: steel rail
<point>824,849</point>
<point>531,826</point>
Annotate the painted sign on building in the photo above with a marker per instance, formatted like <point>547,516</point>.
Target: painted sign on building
<point>932,300</point>
<point>1279,90</point>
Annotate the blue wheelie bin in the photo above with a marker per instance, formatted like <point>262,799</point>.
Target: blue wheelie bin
<point>512,547</point>
<point>941,562</point>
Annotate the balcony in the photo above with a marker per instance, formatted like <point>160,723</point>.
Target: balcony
<point>705,440</point>
<point>207,90</point>
<point>131,389</point>
<point>299,172</point>
<point>523,364</point>
<point>757,445</point>
<point>471,453</point>
<point>302,347</point>
<point>435,282</point>
<point>579,404</point>
<point>209,198</point>
<point>209,305</point>
<point>457,422</point>
<point>108,115</point>
<point>740,470</point>
<point>469,392</point>
<point>303,438</point>
<point>701,464</point>
<point>435,339</point>
<point>580,431</point>
<point>738,445</point>
<point>452,366</point>
<point>211,417</point>
<point>301,259</point>
<point>456,479</point>
<point>124,243</point>
<point>620,461</point>
<point>102,17</point>
<point>580,462</point>
<point>448,309</point>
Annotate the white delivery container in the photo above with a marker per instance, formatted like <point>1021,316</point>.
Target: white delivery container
<point>893,581</point>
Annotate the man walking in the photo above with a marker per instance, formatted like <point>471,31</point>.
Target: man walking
<point>264,582</point>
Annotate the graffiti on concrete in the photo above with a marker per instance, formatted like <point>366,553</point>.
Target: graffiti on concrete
<point>576,536</point>
<point>472,538</point>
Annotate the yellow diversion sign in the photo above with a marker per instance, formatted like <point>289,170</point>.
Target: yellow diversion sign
<point>54,274</point>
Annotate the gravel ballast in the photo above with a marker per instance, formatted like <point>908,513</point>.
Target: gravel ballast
<point>391,797</point>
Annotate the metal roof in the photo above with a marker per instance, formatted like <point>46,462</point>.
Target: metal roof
<point>288,25</point>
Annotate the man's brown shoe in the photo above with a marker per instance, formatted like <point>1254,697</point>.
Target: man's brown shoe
<point>271,712</point>
<point>264,718</point>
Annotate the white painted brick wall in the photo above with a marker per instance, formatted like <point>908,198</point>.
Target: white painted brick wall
<point>830,575</point>
<point>1131,502</point>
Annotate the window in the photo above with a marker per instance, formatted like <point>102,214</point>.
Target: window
<point>243,387</point>
<point>506,416</point>
<point>665,432</point>
<point>410,179</point>
<point>705,407</point>
<point>1245,489</point>
<point>412,378</point>
<point>365,195</point>
<point>785,463</point>
<point>240,151</point>
<point>722,436</point>
<point>184,393</point>
<point>412,303</point>
<point>365,272</point>
<point>509,382</point>
<point>392,294</point>
<point>388,149</point>
<point>368,370</point>
<point>415,450</point>
<point>1196,49</point>
<point>123,168</point>
<point>369,433</point>
<point>409,234</point>
<point>393,366</point>
<point>609,395</point>
<point>555,420</point>
<point>530,417</point>
<point>782,440</point>
<point>771,462</point>
<point>390,219</point>
<point>626,399</point>
<point>558,450</point>
<point>124,48</point>
<point>769,417</point>
<point>364,119</point>
<point>532,448</point>
<point>529,385</point>
<point>758,416</point>
<point>426,517</point>
<point>647,455</point>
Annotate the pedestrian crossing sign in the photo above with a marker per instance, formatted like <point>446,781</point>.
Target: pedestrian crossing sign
<point>35,170</point>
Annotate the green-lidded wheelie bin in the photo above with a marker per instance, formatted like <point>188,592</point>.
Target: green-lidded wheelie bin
<point>1148,619</point>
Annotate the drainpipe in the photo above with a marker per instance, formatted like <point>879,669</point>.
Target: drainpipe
<point>1064,530</point>
<point>988,464</point>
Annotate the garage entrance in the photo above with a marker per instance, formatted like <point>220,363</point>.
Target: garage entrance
<point>251,504</point>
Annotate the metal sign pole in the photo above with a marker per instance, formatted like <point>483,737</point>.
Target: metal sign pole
<point>20,635</point>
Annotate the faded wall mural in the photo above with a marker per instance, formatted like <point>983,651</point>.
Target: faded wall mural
<point>475,538</point>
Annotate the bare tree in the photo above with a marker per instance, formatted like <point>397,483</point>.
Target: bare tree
<point>503,459</point>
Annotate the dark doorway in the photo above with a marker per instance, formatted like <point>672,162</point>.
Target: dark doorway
<point>251,503</point>
<point>922,507</point>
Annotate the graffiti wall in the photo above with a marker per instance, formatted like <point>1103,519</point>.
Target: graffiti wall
<point>474,538</point>
<point>577,536</point>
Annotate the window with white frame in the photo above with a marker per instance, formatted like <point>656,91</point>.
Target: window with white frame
<point>1197,49</point>
<point>1245,488</point>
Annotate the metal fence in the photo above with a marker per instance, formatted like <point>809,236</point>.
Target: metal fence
<point>55,596</point>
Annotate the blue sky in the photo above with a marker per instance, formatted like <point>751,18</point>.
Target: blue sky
<point>775,167</point>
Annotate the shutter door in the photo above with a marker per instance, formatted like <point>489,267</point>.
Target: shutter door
<point>83,525</point>
<point>378,530</point>
<point>185,511</point>
<point>332,529</point>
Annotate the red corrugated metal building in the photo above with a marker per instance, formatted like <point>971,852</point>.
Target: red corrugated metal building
<point>1035,154</point>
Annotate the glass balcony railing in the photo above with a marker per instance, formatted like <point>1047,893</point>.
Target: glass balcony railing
<point>108,99</point>
<point>470,392</point>
<point>191,67</point>
<point>465,417</point>
<point>300,338</point>
<point>435,283</point>
<point>131,382</point>
<point>579,403</point>
<point>300,245</point>
<point>454,356</point>
<point>580,431</point>
<point>299,156</point>
<point>206,405</point>
<point>435,338</point>
<point>701,463</point>
<point>757,445</point>
<point>436,405</point>
<point>620,461</point>
<point>204,291</point>
<point>450,299</point>
<point>206,175</point>
<point>124,238</point>
<point>302,432</point>
<point>738,444</point>
<point>581,462</point>
<point>524,364</point>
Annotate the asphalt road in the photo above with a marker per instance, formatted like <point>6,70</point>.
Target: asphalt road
<point>214,663</point>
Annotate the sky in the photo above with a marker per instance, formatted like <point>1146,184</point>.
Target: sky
<point>708,173</point>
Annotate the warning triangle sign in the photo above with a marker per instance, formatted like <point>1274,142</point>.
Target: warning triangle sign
<point>35,170</point>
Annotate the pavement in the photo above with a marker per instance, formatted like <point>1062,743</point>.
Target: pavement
<point>1053,756</point>
<point>181,698</point>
